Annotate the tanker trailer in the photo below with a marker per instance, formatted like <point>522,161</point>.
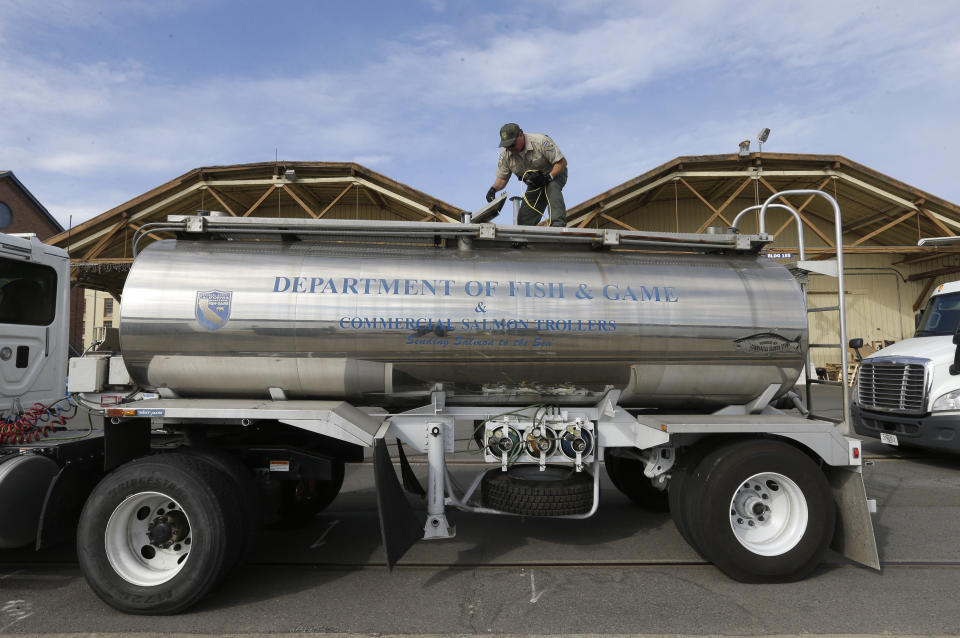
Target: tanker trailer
<point>262,349</point>
<point>384,325</point>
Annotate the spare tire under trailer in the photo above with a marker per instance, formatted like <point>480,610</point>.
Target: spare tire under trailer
<point>558,490</point>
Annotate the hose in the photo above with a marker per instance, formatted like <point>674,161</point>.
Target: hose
<point>36,423</point>
<point>540,190</point>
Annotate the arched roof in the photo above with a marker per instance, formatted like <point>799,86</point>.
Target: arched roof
<point>101,251</point>
<point>879,214</point>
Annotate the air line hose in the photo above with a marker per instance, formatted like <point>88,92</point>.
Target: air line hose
<point>540,191</point>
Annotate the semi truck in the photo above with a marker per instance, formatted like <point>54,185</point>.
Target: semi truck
<point>908,393</point>
<point>258,356</point>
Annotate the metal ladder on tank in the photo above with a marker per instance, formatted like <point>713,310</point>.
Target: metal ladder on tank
<point>829,267</point>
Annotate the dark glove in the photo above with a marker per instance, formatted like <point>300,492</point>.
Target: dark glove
<point>491,194</point>
<point>536,179</point>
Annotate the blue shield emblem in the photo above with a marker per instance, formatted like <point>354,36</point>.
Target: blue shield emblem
<point>213,308</point>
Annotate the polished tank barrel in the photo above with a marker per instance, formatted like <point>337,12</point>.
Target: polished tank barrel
<point>387,324</point>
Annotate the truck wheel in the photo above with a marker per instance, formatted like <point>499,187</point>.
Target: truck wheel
<point>244,496</point>
<point>302,500</point>
<point>156,534</point>
<point>525,490</point>
<point>678,489</point>
<point>761,511</point>
<point>627,475</point>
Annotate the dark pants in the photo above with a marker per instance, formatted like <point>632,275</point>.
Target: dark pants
<point>536,200</point>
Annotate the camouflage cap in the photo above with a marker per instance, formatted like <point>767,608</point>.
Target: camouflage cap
<point>509,134</point>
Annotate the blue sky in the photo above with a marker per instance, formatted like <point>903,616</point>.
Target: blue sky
<point>101,101</point>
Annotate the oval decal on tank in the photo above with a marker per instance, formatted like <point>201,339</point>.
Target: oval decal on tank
<point>213,308</point>
<point>767,342</point>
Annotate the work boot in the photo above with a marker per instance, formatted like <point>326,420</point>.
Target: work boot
<point>558,224</point>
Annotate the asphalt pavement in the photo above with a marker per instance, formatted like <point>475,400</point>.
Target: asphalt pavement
<point>622,572</point>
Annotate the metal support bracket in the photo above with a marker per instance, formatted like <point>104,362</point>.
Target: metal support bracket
<point>658,461</point>
<point>826,267</point>
<point>757,406</point>
<point>195,224</point>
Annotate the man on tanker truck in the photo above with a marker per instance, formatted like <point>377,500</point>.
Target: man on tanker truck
<point>316,360</point>
<point>537,162</point>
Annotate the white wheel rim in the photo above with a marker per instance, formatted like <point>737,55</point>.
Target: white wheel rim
<point>129,549</point>
<point>768,514</point>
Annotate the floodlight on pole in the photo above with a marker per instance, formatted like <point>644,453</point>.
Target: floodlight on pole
<point>762,137</point>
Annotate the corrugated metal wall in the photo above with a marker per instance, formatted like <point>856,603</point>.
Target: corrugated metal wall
<point>878,304</point>
<point>879,299</point>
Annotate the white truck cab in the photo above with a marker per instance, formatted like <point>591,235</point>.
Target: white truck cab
<point>909,393</point>
<point>34,298</point>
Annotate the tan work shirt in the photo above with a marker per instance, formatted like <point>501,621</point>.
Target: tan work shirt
<point>539,153</point>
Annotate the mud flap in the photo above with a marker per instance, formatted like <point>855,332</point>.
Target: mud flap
<point>400,527</point>
<point>24,482</point>
<point>65,498</point>
<point>854,536</point>
<point>124,441</point>
<point>81,468</point>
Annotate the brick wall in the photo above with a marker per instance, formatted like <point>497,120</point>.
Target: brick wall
<point>27,218</point>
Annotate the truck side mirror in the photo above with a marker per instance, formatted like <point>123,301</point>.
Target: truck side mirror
<point>856,344</point>
<point>916,320</point>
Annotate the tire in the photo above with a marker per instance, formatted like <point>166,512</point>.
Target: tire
<point>627,476</point>
<point>301,501</point>
<point>678,489</point>
<point>163,575</point>
<point>523,489</point>
<point>244,495</point>
<point>761,511</point>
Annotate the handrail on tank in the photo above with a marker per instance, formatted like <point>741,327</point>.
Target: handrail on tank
<point>654,240</point>
<point>763,221</point>
<point>838,238</point>
<point>148,228</point>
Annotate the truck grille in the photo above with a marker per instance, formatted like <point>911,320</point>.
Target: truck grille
<point>892,386</point>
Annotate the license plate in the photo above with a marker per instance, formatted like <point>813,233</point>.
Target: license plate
<point>889,439</point>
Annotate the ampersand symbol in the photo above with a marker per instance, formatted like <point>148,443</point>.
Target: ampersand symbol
<point>481,307</point>
<point>583,292</point>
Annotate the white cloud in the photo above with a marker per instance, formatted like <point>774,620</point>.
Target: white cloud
<point>625,86</point>
<point>438,6</point>
<point>373,160</point>
<point>83,13</point>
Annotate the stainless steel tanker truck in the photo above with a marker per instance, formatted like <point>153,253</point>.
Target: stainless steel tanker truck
<point>257,356</point>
